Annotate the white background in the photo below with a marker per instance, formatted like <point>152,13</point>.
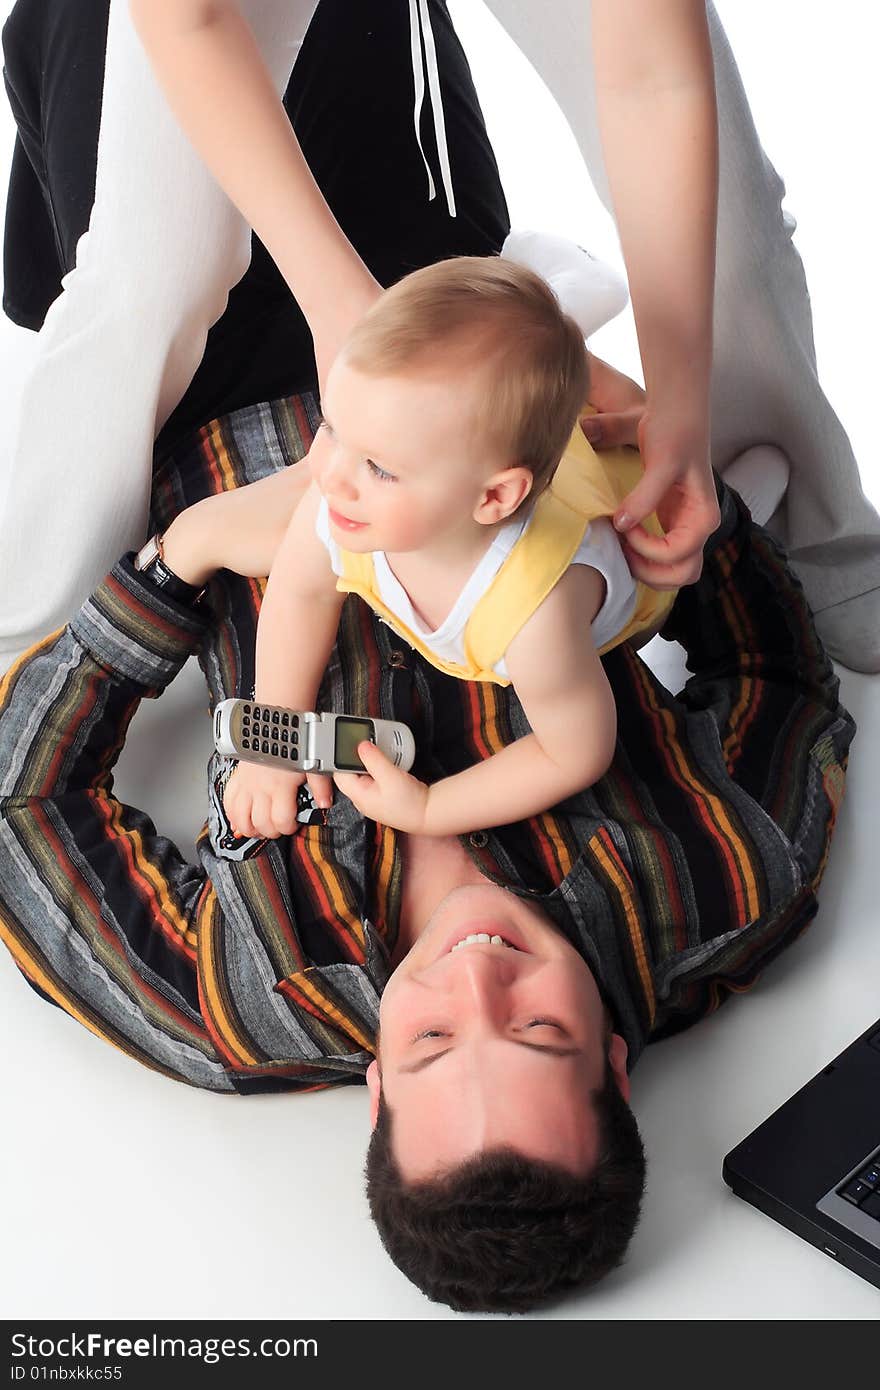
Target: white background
<point>126,1195</point>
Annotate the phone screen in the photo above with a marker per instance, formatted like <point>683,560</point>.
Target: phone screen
<point>348,734</point>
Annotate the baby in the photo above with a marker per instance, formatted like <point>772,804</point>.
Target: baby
<point>453,490</point>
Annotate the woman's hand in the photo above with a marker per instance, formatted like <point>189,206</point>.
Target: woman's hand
<point>331,322</point>
<point>654,73</point>
<point>620,404</point>
<point>677,482</point>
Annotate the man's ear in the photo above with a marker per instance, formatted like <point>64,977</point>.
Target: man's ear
<point>617,1054</point>
<point>374,1086</point>
<point>502,494</point>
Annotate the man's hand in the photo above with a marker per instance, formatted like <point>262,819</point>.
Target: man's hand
<point>260,801</point>
<point>385,793</point>
<point>239,530</point>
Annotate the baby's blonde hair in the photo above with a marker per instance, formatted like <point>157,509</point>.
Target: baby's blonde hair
<point>507,322</point>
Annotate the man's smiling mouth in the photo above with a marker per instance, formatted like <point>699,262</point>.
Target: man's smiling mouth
<point>482,938</point>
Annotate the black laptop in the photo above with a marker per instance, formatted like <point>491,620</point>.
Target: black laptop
<point>814,1166</point>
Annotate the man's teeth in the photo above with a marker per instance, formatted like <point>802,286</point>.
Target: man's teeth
<point>481,937</point>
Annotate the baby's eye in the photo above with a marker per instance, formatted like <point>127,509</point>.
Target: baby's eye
<point>380,473</point>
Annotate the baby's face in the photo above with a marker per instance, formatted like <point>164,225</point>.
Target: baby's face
<point>406,468</point>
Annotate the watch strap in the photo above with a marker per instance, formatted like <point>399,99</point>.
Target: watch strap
<point>150,560</point>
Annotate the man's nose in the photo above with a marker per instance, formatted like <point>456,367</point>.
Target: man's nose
<point>483,975</point>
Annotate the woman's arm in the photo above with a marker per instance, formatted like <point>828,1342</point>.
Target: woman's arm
<point>565,695</point>
<point>655,94</point>
<point>211,70</point>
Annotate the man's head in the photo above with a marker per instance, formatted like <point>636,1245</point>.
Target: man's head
<point>451,403</point>
<point>504,1164</point>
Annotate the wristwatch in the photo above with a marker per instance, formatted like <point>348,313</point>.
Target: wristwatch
<point>150,560</point>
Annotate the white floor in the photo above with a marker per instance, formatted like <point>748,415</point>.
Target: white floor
<point>115,1179</point>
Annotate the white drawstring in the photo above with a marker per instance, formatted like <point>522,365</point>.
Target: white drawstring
<point>419,29</point>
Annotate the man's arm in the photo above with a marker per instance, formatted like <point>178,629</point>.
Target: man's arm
<point>561,685</point>
<point>171,963</point>
<point>216,82</point>
<point>269,528</point>
<point>96,908</point>
<point>655,94</point>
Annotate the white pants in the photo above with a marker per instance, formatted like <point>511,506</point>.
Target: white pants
<point>765,389</point>
<point>164,247</point>
<point>123,340</point>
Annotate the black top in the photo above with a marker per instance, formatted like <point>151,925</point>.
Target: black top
<point>350,101</point>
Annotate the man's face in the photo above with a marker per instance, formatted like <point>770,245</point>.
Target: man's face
<point>487,1045</point>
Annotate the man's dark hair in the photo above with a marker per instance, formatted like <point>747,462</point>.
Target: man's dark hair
<point>501,1232</point>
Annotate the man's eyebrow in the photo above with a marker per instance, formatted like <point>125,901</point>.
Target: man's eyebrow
<point>549,1047</point>
<point>554,1051</point>
<point>423,1062</point>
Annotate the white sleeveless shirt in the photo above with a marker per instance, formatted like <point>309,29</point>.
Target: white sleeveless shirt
<point>599,548</point>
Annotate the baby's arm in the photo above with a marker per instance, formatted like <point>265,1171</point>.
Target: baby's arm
<point>295,636</point>
<point>557,674</point>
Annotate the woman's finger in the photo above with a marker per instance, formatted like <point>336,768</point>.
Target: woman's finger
<point>612,429</point>
<point>681,543</point>
<point>668,575</point>
<point>647,494</point>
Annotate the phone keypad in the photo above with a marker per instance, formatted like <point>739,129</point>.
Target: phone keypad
<point>271,731</point>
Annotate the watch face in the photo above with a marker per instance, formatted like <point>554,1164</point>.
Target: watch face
<point>147,554</point>
<point>150,559</point>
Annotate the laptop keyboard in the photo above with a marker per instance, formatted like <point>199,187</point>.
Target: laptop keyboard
<point>863,1188</point>
<point>854,1202</point>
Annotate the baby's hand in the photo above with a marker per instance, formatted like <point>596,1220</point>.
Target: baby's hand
<point>260,801</point>
<point>385,793</point>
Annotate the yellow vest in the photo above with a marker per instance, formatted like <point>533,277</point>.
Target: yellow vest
<point>587,484</point>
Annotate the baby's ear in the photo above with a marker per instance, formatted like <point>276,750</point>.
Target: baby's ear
<point>503,493</point>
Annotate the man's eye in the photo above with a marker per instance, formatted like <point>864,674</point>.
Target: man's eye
<point>429,1033</point>
<point>380,473</point>
<point>544,1023</point>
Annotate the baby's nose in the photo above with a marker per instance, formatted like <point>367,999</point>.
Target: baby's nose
<point>336,477</point>
<point>342,486</point>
